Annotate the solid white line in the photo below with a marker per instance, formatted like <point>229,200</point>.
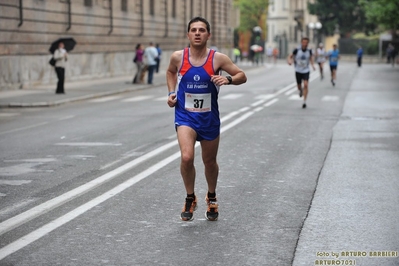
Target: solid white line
<point>258,109</point>
<point>270,102</point>
<point>30,214</point>
<point>138,98</point>
<point>257,103</point>
<point>105,99</point>
<point>290,91</point>
<point>49,227</point>
<point>23,128</point>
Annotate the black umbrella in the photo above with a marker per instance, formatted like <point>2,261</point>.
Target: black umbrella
<point>69,44</point>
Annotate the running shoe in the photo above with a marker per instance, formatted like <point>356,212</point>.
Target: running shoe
<point>300,92</point>
<point>212,212</point>
<point>190,206</point>
<point>333,83</point>
<point>304,105</point>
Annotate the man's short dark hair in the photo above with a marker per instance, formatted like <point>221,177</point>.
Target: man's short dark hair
<point>201,19</point>
<point>305,39</point>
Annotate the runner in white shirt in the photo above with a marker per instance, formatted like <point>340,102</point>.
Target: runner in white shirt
<point>321,58</point>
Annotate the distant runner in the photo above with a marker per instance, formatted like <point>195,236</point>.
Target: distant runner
<point>321,58</point>
<point>302,57</point>
<point>333,56</point>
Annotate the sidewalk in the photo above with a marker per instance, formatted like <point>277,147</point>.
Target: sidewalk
<point>354,215</point>
<point>44,95</point>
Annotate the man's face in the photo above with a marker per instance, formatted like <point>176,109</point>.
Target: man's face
<point>304,43</point>
<point>198,34</point>
<point>61,45</point>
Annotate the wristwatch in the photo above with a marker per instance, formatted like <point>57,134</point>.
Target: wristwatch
<point>229,79</point>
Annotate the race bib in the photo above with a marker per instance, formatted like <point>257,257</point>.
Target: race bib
<point>198,102</point>
<point>303,63</point>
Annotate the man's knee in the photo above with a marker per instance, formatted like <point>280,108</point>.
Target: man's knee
<point>187,159</point>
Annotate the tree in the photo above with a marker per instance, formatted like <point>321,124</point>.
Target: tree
<point>383,12</point>
<point>252,13</point>
<point>347,15</point>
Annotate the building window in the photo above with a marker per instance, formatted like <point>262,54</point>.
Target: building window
<point>191,9</point>
<point>124,5</point>
<point>152,7</point>
<point>88,3</point>
<point>173,8</point>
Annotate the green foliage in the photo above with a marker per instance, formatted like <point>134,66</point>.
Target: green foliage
<point>382,12</point>
<point>251,13</point>
<point>348,15</point>
<point>372,47</point>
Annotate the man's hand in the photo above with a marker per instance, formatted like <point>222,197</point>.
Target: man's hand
<point>172,100</point>
<point>219,80</point>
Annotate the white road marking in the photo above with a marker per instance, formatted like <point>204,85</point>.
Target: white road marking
<point>265,96</point>
<point>88,144</point>
<point>105,99</point>
<point>291,91</point>
<point>258,109</point>
<point>8,114</point>
<point>19,169</point>
<point>66,117</point>
<point>14,182</point>
<point>3,195</point>
<point>30,214</point>
<point>47,228</point>
<point>23,128</point>
<point>34,160</point>
<point>163,98</point>
<point>138,98</point>
<point>295,97</point>
<point>257,103</point>
<point>15,221</point>
<point>270,102</point>
<point>232,96</point>
<point>330,98</point>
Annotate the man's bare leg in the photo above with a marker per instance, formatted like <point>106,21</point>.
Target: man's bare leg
<point>187,137</point>
<point>209,154</point>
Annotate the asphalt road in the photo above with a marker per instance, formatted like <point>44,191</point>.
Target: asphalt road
<point>97,182</point>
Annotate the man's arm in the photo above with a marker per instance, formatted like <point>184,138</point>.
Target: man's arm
<point>171,77</point>
<point>224,63</point>
<point>311,61</point>
<point>291,57</point>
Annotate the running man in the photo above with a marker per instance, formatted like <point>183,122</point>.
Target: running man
<point>193,80</point>
<point>321,58</point>
<point>302,57</point>
<point>333,56</point>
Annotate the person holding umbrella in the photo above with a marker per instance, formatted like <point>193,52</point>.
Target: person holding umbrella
<point>60,56</point>
<point>59,49</point>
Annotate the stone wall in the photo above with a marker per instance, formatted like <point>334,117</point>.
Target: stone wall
<point>106,35</point>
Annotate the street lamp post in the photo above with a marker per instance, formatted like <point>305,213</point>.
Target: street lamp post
<point>315,27</point>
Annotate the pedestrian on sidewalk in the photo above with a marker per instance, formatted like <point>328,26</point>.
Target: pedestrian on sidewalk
<point>301,57</point>
<point>60,56</point>
<point>193,81</point>
<point>359,53</point>
<point>158,59</point>
<point>269,54</point>
<point>333,57</point>
<point>237,54</point>
<point>275,54</point>
<point>321,58</point>
<point>138,60</point>
<point>150,54</point>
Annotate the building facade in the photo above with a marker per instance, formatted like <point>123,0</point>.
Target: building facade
<point>106,32</point>
<point>287,22</point>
